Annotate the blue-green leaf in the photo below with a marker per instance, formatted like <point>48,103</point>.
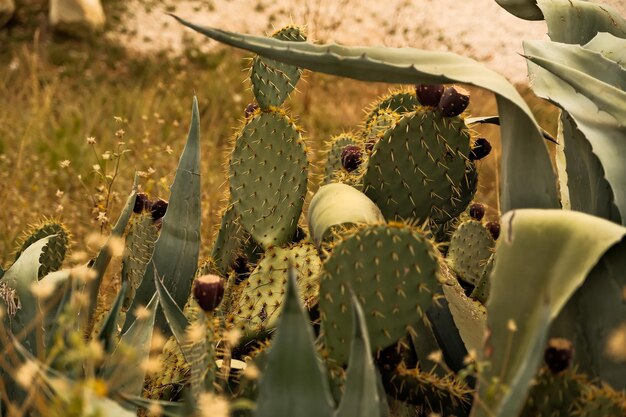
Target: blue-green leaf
<point>108,331</point>
<point>294,382</point>
<point>176,251</point>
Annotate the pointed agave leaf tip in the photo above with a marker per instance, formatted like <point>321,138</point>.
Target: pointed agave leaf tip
<point>360,328</point>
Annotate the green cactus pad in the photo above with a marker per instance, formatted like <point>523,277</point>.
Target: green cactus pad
<point>140,239</point>
<point>376,127</point>
<point>261,298</point>
<point>333,158</point>
<point>393,271</point>
<point>399,101</point>
<point>420,167</point>
<point>229,240</point>
<point>273,81</point>
<point>470,248</point>
<point>268,178</point>
<point>553,395</point>
<point>434,392</point>
<point>54,252</point>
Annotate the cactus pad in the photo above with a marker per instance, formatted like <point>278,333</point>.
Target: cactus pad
<point>260,299</point>
<point>419,168</point>
<point>393,271</point>
<point>553,395</point>
<point>470,248</point>
<point>399,101</point>
<point>268,178</point>
<point>53,253</point>
<point>273,81</point>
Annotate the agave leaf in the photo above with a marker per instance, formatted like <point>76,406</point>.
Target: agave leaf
<point>176,250</point>
<point>168,408</point>
<point>336,204</point>
<point>360,396</point>
<point>104,255</point>
<point>124,369</point>
<point>611,47</point>
<point>537,188</point>
<point>495,120</point>
<point>524,9</point>
<point>108,332</point>
<point>229,240</point>
<point>21,305</point>
<point>294,381</point>
<point>175,317</point>
<point>594,311</point>
<point>542,258</point>
<point>586,101</point>
<point>587,188</point>
<point>578,21</point>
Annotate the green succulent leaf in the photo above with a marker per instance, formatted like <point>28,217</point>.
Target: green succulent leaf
<point>20,304</point>
<point>407,65</point>
<point>594,101</point>
<point>578,21</point>
<point>108,331</point>
<point>336,204</point>
<point>133,348</point>
<point>177,249</point>
<point>294,381</point>
<point>175,317</point>
<point>360,396</point>
<point>542,258</point>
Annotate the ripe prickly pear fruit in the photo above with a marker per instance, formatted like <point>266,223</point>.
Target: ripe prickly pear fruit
<point>208,290</point>
<point>477,211</point>
<point>158,209</point>
<point>351,158</point>
<point>429,94</point>
<point>494,229</point>
<point>480,149</point>
<point>250,109</point>
<point>454,101</point>
<point>142,202</point>
<point>558,355</point>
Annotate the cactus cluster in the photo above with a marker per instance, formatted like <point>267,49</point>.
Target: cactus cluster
<point>394,297</point>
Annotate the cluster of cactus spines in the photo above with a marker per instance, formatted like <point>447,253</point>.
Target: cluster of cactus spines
<point>54,252</point>
<point>273,81</point>
<point>268,177</point>
<point>470,248</point>
<point>258,300</point>
<point>419,169</point>
<point>397,101</point>
<point>376,127</point>
<point>392,269</point>
<point>437,394</point>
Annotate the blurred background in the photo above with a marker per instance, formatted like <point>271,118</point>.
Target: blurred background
<point>91,92</point>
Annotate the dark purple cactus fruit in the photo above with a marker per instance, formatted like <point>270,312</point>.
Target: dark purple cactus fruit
<point>208,290</point>
<point>480,149</point>
<point>250,109</point>
<point>477,211</point>
<point>158,209</point>
<point>351,158</point>
<point>558,355</point>
<point>142,202</point>
<point>429,94</point>
<point>454,101</point>
<point>494,229</point>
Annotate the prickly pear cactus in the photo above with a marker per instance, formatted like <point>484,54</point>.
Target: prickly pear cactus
<point>398,101</point>
<point>419,169</point>
<point>261,295</point>
<point>394,272</point>
<point>268,177</point>
<point>273,81</point>
<point>554,395</point>
<point>469,251</point>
